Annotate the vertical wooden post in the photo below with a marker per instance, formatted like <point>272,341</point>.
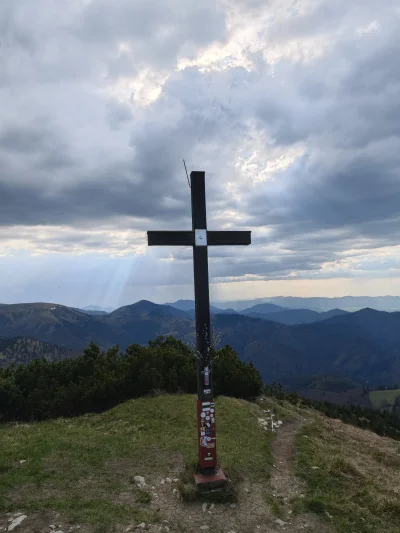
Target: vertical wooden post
<point>207,446</point>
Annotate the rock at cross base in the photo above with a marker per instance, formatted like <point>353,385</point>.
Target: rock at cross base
<point>139,480</point>
<point>280,522</point>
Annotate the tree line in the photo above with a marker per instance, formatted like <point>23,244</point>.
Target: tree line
<point>99,380</point>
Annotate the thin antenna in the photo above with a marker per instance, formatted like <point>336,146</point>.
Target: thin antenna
<point>186,173</point>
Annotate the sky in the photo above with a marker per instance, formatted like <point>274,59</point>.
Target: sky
<point>291,109</point>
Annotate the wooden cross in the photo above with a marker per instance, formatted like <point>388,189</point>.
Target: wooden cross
<point>200,238</point>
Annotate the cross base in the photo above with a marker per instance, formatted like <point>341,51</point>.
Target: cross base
<point>212,480</point>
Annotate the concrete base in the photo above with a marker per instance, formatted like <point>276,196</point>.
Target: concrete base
<point>216,479</point>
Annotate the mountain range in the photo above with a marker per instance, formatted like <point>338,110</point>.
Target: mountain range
<point>362,346</point>
<point>320,304</point>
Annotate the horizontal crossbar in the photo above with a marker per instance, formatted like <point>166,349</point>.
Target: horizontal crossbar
<point>170,238</point>
<point>186,238</point>
<point>228,238</point>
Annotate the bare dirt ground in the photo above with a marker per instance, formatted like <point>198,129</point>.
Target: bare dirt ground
<point>252,514</point>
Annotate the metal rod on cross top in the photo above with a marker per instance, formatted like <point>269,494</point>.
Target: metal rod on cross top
<point>200,238</point>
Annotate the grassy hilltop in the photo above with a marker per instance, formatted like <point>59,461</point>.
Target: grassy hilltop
<point>313,473</point>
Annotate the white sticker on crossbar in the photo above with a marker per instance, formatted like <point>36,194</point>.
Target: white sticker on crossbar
<point>200,237</point>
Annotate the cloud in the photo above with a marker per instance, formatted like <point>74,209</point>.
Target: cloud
<point>292,111</point>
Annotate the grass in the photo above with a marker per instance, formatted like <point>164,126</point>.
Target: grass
<point>276,504</point>
<point>376,397</point>
<point>357,481</point>
<point>82,466</point>
<point>284,410</point>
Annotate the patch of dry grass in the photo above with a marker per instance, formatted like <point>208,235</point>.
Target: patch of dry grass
<point>357,481</point>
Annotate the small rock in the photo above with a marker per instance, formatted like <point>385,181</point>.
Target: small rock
<point>166,528</point>
<point>52,526</point>
<point>153,488</point>
<point>302,496</point>
<point>247,490</point>
<point>141,526</point>
<point>233,506</point>
<point>175,480</point>
<point>168,480</point>
<point>204,528</point>
<point>22,461</point>
<point>328,515</point>
<point>139,480</point>
<point>16,522</point>
<point>274,466</point>
<point>280,522</point>
<point>204,507</point>
<point>212,506</point>
<point>162,482</point>
<point>315,468</point>
<point>59,531</point>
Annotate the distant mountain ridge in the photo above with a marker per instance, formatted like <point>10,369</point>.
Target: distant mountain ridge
<point>98,308</point>
<point>361,346</point>
<point>320,304</point>
<point>265,311</point>
<point>291,317</point>
<point>188,306</point>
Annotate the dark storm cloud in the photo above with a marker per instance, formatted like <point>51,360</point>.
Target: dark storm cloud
<point>72,156</point>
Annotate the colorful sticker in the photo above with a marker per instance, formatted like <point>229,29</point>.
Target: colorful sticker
<point>211,445</point>
<point>202,433</point>
<point>203,442</point>
<point>207,418</point>
<point>203,415</point>
<point>213,420</point>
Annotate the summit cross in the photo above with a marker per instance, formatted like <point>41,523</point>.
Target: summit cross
<point>200,238</point>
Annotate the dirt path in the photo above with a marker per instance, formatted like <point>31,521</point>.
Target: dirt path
<point>284,485</point>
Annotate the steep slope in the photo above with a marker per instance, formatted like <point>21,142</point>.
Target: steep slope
<point>54,323</point>
<point>144,321</point>
<point>380,327</point>
<point>284,353</point>
<point>24,350</point>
